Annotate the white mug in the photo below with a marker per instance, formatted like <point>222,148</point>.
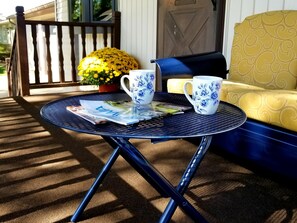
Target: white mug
<point>206,93</point>
<point>142,85</point>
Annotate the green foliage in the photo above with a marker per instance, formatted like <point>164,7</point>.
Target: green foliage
<point>4,51</point>
<point>5,48</point>
<point>99,7</point>
<point>76,10</point>
<point>2,69</point>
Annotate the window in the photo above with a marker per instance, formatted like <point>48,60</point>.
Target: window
<point>90,10</point>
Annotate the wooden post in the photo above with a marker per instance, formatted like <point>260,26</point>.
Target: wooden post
<point>22,52</point>
<point>116,19</point>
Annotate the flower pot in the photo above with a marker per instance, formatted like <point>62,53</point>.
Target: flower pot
<point>109,88</point>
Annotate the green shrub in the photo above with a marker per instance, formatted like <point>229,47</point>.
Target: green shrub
<point>4,51</point>
<point>2,69</point>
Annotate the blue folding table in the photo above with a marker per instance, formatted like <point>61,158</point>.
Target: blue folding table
<point>182,126</point>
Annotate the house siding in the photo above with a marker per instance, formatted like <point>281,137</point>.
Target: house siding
<point>139,29</point>
<point>62,10</point>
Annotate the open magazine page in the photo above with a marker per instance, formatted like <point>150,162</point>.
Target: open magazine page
<point>124,112</point>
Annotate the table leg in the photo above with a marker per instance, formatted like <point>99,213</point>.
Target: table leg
<point>187,177</point>
<point>158,181</point>
<point>96,184</point>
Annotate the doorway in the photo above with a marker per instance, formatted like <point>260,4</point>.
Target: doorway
<point>188,27</point>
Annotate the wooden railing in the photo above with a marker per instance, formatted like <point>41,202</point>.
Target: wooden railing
<point>38,56</point>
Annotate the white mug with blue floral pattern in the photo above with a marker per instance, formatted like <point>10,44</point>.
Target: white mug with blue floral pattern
<point>142,85</point>
<point>205,94</point>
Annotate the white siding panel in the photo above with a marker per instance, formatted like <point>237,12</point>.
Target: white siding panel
<point>261,6</point>
<point>275,5</point>
<point>247,8</point>
<point>290,4</point>
<point>232,16</point>
<point>138,29</point>
<point>62,10</point>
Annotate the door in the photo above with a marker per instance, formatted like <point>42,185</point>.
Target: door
<point>189,26</point>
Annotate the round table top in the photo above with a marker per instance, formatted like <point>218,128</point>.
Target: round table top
<point>186,125</point>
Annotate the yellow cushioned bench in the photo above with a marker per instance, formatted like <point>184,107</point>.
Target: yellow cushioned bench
<point>262,78</point>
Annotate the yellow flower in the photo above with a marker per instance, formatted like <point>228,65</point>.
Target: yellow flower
<point>117,73</point>
<point>105,66</point>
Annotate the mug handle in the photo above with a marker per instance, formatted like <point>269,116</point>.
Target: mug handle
<point>124,85</point>
<point>186,92</point>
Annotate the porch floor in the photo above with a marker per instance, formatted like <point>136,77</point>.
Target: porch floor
<point>45,172</point>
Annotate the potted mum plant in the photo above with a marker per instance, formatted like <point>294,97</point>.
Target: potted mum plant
<point>104,68</point>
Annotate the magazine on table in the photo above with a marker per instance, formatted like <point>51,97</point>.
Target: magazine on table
<point>123,112</point>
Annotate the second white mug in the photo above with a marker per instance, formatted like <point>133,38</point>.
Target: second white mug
<point>206,94</point>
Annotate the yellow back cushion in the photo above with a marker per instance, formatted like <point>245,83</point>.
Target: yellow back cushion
<point>264,50</point>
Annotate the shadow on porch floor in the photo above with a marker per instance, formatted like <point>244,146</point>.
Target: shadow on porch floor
<point>45,172</point>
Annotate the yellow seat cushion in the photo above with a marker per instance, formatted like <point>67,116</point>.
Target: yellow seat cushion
<point>175,85</point>
<point>275,107</point>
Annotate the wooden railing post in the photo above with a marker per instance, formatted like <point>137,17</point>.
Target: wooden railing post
<point>22,53</point>
<point>116,18</point>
